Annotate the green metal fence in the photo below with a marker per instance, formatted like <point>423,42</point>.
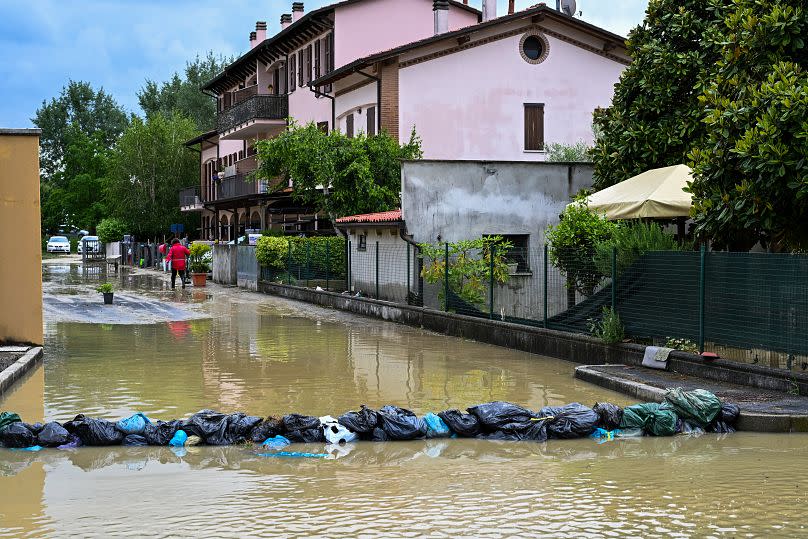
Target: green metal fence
<point>750,304</point>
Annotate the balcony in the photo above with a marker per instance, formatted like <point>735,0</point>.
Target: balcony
<point>239,186</point>
<point>190,199</point>
<point>253,115</point>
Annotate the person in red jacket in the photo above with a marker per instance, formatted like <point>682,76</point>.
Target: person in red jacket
<point>176,257</point>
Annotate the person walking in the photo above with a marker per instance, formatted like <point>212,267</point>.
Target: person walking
<point>176,257</point>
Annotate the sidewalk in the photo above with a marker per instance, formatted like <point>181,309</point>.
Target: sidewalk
<point>761,410</point>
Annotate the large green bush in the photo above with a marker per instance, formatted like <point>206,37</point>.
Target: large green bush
<point>110,230</point>
<point>573,242</point>
<point>632,239</point>
<point>317,253</point>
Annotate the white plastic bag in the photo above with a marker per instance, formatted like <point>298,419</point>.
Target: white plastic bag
<point>336,433</point>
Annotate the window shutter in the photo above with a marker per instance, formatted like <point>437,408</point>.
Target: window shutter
<point>317,54</point>
<point>371,118</point>
<point>534,126</point>
<point>349,130</point>
<point>292,72</point>
<point>301,61</point>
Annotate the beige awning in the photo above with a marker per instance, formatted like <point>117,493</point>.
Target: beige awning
<point>655,194</point>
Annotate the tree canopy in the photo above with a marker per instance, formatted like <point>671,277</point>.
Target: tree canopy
<point>337,174</point>
<point>181,94</point>
<point>149,167</point>
<point>751,169</point>
<point>655,116</point>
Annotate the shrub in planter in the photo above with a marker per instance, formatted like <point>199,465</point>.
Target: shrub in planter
<point>108,292</point>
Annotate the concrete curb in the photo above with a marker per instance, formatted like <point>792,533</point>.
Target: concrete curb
<point>19,368</point>
<point>747,421</point>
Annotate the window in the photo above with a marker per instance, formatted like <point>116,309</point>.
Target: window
<point>363,243</point>
<point>301,71</point>
<point>317,53</point>
<point>518,254</point>
<point>534,126</point>
<point>329,58</point>
<point>534,47</point>
<point>323,126</point>
<point>292,72</point>
<point>371,117</point>
<point>349,125</point>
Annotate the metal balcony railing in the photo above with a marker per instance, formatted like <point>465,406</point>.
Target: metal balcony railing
<point>256,107</point>
<point>190,197</point>
<point>239,185</point>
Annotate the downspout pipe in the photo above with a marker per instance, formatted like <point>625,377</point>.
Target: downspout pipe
<point>333,105</point>
<point>420,265</point>
<point>378,98</point>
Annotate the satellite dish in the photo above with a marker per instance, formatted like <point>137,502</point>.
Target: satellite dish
<point>569,7</point>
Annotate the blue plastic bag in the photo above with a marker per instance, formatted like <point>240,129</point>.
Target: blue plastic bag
<point>134,424</point>
<point>32,448</point>
<point>179,439</point>
<point>294,455</point>
<point>436,427</point>
<point>276,442</point>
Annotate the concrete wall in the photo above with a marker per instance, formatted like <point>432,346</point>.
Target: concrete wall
<point>225,264</point>
<point>20,234</point>
<point>447,201</point>
<point>247,270</point>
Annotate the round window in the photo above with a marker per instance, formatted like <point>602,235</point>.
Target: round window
<point>533,47</point>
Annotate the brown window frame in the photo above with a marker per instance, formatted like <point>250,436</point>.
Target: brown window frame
<point>292,72</point>
<point>370,112</point>
<point>534,140</point>
<point>318,53</point>
<point>300,74</point>
<point>349,125</point>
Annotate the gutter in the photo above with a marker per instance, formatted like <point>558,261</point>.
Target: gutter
<point>333,105</point>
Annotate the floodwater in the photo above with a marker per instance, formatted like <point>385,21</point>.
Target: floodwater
<point>264,355</point>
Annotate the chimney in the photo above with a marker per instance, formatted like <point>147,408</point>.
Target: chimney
<point>286,20</point>
<point>441,9</point>
<point>297,11</point>
<point>252,40</point>
<point>511,7</point>
<point>260,32</point>
<point>489,10</point>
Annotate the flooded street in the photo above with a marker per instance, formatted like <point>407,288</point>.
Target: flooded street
<point>240,351</point>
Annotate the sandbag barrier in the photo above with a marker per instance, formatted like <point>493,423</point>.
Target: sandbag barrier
<point>686,412</point>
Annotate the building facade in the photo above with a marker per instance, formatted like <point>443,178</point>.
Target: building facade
<point>498,90</point>
<point>272,83</point>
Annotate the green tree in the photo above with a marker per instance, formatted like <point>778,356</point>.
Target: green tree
<point>111,229</point>
<point>751,170</point>
<point>78,108</point>
<point>655,116</point>
<point>336,174</point>
<point>181,93</point>
<point>149,167</point>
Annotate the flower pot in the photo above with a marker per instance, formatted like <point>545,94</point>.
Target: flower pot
<point>512,268</point>
<point>199,279</point>
<point>108,298</point>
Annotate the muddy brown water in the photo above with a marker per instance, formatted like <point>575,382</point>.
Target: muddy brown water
<point>264,355</point>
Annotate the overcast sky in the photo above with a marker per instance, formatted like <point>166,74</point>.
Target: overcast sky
<point>118,44</point>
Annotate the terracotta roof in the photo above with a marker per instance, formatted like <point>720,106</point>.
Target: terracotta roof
<point>381,217</point>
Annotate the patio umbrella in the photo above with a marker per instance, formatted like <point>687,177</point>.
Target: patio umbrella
<point>655,194</point>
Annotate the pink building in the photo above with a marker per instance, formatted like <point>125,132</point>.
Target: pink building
<point>498,90</point>
<point>272,82</point>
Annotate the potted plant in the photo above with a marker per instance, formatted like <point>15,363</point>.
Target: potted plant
<point>199,263</point>
<point>107,290</point>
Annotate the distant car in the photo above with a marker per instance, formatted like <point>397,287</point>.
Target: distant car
<point>58,244</point>
<point>95,245</point>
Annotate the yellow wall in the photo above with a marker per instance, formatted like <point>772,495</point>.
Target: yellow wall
<point>20,237</point>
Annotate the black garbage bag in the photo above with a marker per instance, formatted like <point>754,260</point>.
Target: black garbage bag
<point>493,415</point>
<point>500,436</point>
<point>400,423</point>
<point>160,432</point>
<point>135,440</point>
<point>17,435</point>
<point>533,430</point>
<point>300,422</point>
<point>96,432</point>
<point>216,428</point>
<point>52,435</point>
<point>36,427</point>
<point>241,426</point>
<point>269,427</point>
<point>362,422</point>
<point>464,425</point>
<point>726,419</point>
<point>570,421</point>
<point>609,415</point>
<point>379,435</point>
<point>306,436</point>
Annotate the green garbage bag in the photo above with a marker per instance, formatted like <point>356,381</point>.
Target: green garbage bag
<point>7,418</point>
<point>652,418</point>
<point>698,406</point>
